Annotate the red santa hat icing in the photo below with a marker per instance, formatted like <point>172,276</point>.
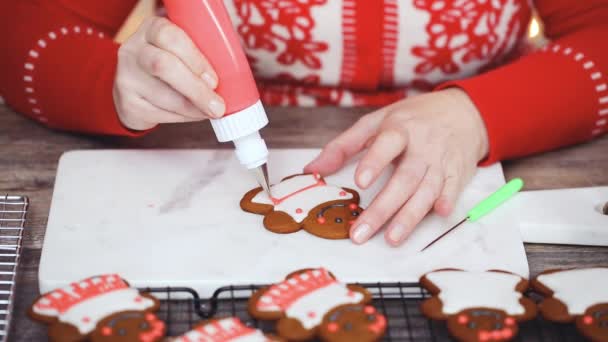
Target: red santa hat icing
<point>85,303</point>
<point>224,330</point>
<point>307,296</point>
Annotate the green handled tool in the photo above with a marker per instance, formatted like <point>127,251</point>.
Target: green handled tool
<point>487,205</point>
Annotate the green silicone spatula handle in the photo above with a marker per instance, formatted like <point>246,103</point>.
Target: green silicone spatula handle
<point>496,199</point>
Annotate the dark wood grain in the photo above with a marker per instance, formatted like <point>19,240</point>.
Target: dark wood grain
<point>29,154</point>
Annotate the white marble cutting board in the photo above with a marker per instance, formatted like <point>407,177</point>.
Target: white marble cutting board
<point>172,218</point>
<point>563,216</point>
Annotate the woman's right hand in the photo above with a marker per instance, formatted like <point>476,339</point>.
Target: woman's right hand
<point>162,77</point>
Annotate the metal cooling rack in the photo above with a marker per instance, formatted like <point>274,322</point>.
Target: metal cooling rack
<point>13,210</point>
<point>399,302</point>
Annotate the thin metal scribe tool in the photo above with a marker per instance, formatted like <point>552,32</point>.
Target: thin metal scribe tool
<point>487,205</point>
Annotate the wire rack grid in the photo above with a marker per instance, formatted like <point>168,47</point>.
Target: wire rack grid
<point>399,302</point>
<point>13,211</point>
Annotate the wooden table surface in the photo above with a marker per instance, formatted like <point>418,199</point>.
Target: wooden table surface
<point>29,154</point>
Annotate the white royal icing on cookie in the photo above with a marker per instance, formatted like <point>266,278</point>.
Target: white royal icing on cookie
<point>224,330</point>
<point>310,309</point>
<point>462,290</point>
<point>298,205</point>
<point>578,289</point>
<point>307,296</point>
<point>85,303</point>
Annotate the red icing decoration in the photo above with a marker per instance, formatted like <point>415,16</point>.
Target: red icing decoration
<point>321,220</point>
<point>353,206</point>
<point>496,334</point>
<point>463,319</point>
<point>509,321</point>
<point>86,319</point>
<point>507,333</point>
<point>138,299</point>
<point>332,327</point>
<point>351,222</point>
<point>587,320</point>
<point>319,182</point>
<point>350,293</point>
<point>484,336</point>
<point>342,193</point>
<point>369,310</point>
<point>311,314</point>
<point>379,325</point>
<point>106,331</point>
<point>150,317</point>
<point>299,211</point>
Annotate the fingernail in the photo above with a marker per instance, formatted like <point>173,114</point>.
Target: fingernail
<point>217,108</point>
<point>211,81</point>
<point>362,233</point>
<point>365,178</point>
<point>395,234</point>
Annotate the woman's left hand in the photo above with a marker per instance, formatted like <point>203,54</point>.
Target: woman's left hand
<point>436,141</point>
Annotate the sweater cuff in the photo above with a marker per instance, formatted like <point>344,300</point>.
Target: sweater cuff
<point>538,103</point>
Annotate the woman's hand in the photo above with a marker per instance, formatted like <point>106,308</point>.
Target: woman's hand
<point>162,77</point>
<point>436,141</point>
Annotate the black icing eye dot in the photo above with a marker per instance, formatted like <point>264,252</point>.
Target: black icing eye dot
<point>355,213</point>
<point>338,220</point>
<point>348,326</point>
<point>122,332</point>
<point>371,318</point>
<point>472,325</point>
<point>498,326</point>
<point>144,325</point>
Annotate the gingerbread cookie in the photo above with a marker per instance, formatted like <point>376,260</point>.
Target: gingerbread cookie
<point>576,295</point>
<point>99,309</point>
<point>305,202</point>
<point>229,329</point>
<point>312,303</point>
<point>478,306</point>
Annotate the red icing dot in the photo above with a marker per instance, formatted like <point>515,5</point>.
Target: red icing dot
<point>86,319</point>
<point>138,299</point>
<point>509,321</point>
<point>350,293</point>
<point>321,220</point>
<point>317,175</point>
<point>351,222</point>
<point>496,334</point>
<point>484,336</point>
<point>369,310</point>
<point>311,314</point>
<point>299,211</point>
<point>332,327</point>
<point>587,320</point>
<point>342,193</point>
<point>353,206</point>
<point>463,319</point>
<point>150,317</point>
<point>106,331</point>
<point>507,333</point>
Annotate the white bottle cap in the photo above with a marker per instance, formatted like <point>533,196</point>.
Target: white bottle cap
<point>243,129</point>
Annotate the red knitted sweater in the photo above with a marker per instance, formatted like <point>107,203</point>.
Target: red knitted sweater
<point>58,60</point>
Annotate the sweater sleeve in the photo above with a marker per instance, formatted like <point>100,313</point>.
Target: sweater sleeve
<point>59,62</point>
<point>551,98</point>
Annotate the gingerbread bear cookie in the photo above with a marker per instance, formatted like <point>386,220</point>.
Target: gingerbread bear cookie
<point>228,329</point>
<point>478,306</point>
<point>312,303</point>
<point>99,309</point>
<point>305,202</point>
<point>576,295</point>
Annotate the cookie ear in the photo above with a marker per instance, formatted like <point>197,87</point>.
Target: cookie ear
<point>295,273</point>
<point>281,223</point>
<point>555,311</point>
<point>433,309</point>
<point>249,206</point>
<point>258,314</point>
<point>530,309</point>
<point>367,297</point>
<point>156,305</point>
<point>293,330</point>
